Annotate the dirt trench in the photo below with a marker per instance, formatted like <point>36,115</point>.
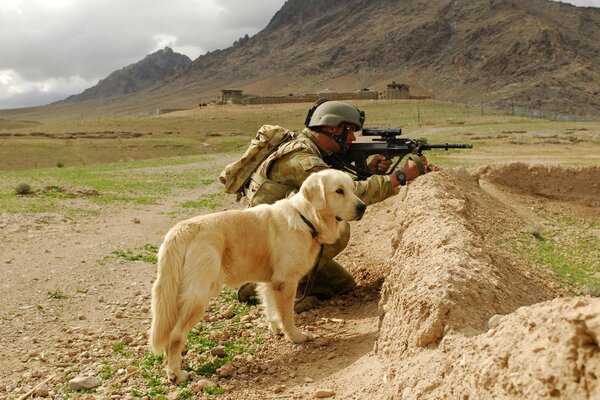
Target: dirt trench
<point>462,319</point>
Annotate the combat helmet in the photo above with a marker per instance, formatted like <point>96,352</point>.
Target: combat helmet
<point>332,113</point>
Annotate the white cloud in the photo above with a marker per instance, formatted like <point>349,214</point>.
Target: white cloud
<point>56,46</point>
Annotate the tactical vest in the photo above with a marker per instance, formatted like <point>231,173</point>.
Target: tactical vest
<point>236,175</point>
<point>261,189</point>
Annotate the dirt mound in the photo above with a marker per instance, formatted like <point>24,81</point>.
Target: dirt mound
<point>580,185</point>
<point>441,333</point>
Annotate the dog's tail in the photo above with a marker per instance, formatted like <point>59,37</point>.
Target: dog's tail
<point>165,291</point>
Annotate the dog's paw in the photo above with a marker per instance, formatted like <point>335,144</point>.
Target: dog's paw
<point>177,377</point>
<point>275,328</point>
<point>301,337</point>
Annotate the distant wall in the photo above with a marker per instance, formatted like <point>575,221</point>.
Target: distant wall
<point>312,97</point>
<point>168,110</point>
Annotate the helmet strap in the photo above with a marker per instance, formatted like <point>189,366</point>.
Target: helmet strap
<point>339,139</point>
<point>312,110</point>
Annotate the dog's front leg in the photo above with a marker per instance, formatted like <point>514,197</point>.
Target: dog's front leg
<point>284,294</point>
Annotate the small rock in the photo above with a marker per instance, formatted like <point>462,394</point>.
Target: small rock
<point>224,372</point>
<point>322,393</point>
<point>136,220</point>
<point>42,391</point>
<point>247,318</point>
<point>218,351</point>
<point>278,388</point>
<point>84,382</point>
<point>201,384</point>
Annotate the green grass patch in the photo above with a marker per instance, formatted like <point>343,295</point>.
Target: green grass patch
<point>224,332</point>
<point>568,249</point>
<point>106,372</point>
<point>119,348</point>
<point>56,294</point>
<point>138,182</point>
<point>207,200</point>
<point>200,341</point>
<point>146,253</point>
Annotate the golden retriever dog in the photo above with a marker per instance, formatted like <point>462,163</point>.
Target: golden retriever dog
<point>275,245</point>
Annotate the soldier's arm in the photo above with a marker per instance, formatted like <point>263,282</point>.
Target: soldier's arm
<point>374,189</point>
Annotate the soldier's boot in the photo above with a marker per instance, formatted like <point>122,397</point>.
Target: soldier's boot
<point>331,280</point>
<point>246,292</point>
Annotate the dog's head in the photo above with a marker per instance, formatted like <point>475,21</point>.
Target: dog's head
<point>331,193</point>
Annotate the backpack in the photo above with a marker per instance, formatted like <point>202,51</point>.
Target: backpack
<point>236,175</point>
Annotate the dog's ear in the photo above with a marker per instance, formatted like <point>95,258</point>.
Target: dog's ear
<point>313,190</point>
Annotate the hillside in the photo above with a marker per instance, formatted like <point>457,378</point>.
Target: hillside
<point>538,54</point>
<point>153,68</point>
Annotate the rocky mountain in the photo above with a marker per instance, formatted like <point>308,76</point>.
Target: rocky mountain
<point>538,54</point>
<point>155,67</point>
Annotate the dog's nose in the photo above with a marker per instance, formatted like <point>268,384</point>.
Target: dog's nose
<point>360,208</point>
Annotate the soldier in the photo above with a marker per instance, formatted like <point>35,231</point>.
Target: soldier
<point>331,127</point>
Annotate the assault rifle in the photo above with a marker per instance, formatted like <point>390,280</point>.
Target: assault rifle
<point>354,160</point>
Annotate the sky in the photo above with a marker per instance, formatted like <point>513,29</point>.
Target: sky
<point>51,49</point>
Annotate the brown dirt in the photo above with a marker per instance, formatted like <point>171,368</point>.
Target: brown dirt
<point>441,311</point>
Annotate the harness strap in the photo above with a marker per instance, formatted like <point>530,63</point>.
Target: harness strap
<point>310,282</point>
<point>313,231</point>
<point>312,276</point>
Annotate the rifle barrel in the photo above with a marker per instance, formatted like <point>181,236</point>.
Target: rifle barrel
<point>446,146</point>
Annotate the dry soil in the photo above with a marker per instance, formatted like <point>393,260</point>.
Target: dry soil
<point>442,311</point>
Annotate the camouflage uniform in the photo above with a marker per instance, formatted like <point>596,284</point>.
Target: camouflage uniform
<point>283,173</point>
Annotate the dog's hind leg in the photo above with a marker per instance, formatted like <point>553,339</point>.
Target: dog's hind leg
<point>193,301</point>
<point>283,295</point>
<point>191,313</point>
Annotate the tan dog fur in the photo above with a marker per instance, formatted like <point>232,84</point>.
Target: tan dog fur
<point>270,244</point>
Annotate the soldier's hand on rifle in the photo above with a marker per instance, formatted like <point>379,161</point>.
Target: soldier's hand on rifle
<point>410,171</point>
<point>379,164</point>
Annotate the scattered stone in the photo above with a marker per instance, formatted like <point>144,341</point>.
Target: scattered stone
<point>247,318</point>
<point>84,382</point>
<point>226,370</point>
<point>201,384</point>
<point>278,388</point>
<point>136,220</point>
<point>218,351</point>
<point>322,393</point>
<point>42,391</point>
